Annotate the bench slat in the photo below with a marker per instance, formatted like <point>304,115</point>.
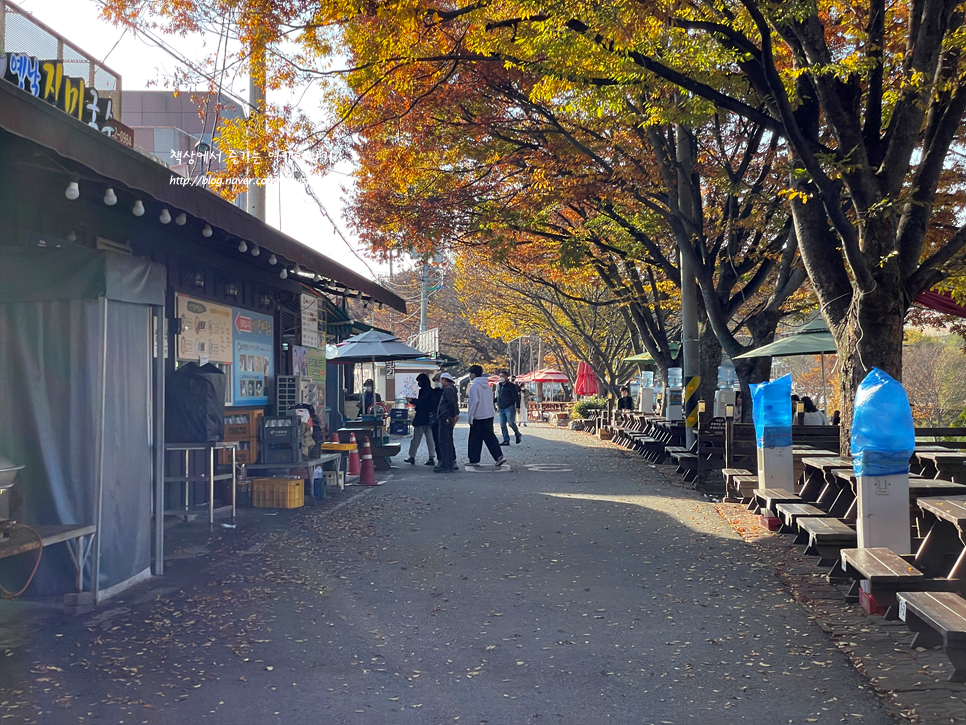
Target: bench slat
<point>881,565</point>
<point>944,611</point>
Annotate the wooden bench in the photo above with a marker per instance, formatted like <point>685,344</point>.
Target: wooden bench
<point>745,487</point>
<point>937,618</point>
<point>886,572</point>
<point>768,498</point>
<point>825,538</point>
<point>790,512</point>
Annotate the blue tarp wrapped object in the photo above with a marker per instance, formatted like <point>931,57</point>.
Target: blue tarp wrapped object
<point>883,434</point>
<point>772,412</point>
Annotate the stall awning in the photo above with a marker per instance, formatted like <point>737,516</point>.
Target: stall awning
<point>129,171</point>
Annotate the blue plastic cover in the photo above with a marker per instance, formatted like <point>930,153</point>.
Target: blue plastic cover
<point>772,412</point>
<point>883,434</point>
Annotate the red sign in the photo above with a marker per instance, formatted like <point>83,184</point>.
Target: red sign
<point>244,324</point>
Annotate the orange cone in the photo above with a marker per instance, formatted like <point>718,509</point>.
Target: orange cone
<point>367,475</point>
<point>353,457</point>
<point>334,438</point>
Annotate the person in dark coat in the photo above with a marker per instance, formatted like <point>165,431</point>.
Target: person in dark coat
<point>508,403</point>
<point>369,397</point>
<point>437,393</point>
<point>447,413</point>
<point>422,425</point>
<point>625,402</point>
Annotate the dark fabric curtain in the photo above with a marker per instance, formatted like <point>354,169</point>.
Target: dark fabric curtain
<point>49,412</point>
<point>125,538</point>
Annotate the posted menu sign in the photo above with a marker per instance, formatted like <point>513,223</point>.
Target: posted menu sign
<point>252,367</point>
<point>206,332</point>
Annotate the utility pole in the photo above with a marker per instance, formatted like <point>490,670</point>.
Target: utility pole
<point>689,292</point>
<point>424,299</point>
<point>256,99</point>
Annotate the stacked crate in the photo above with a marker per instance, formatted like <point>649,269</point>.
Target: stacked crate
<point>241,425</point>
<point>278,493</point>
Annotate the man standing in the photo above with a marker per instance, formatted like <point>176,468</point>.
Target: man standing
<point>447,414</point>
<point>480,414</point>
<point>508,401</point>
<point>437,394</point>
<point>422,423</point>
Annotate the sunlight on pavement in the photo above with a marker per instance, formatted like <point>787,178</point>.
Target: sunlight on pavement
<point>679,510</point>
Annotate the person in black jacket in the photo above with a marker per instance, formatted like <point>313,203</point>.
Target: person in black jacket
<point>437,393</point>
<point>625,402</point>
<point>422,425</point>
<point>447,413</point>
<point>508,403</point>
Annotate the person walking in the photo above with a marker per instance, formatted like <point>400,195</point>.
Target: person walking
<point>447,413</point>
<point>508,402</point>
<point>436,394</point>
<point>421,422</point>
<point>524,398</point>
<point>480,413</point>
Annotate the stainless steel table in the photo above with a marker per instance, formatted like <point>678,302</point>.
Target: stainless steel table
<point>187,479</point>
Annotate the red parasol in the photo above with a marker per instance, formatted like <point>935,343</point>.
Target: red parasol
<point>586,380</point>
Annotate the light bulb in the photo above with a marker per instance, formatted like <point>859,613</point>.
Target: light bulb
<point>242,247</point>
<point>181,219</point>
<point>110,198</point>
<point>297,270</point>
<point>72,237</point>
<point>284,273</point>
<point>273,260</point>
<point>138,208</point>
<point>317,277</point>
<point>165,216</point>
<point>255,250</point>
<point>72,191</point>
<point>206,232</point>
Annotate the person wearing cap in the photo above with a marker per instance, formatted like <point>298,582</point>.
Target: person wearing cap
<point>447,414</point>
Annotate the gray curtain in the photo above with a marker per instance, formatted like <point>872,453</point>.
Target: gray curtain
<point>125,539</point>
<point>49,412</point>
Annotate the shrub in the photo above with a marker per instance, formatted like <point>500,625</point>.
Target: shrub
<point>582,408</point>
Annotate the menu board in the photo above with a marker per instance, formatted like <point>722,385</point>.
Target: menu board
<point>315,364</point>
<point>252,366</point>
<point>206,330</point>
<point>310,321</point>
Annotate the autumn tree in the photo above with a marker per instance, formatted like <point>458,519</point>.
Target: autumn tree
<point>867,99</point>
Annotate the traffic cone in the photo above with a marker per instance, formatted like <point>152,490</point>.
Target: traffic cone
<point>334,438</point>
<point>367,474</point>
<point>353,457</point>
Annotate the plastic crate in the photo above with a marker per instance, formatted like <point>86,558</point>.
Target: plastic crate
<point>399,413</point>
<point>399,427</point>
<point>278,493</point>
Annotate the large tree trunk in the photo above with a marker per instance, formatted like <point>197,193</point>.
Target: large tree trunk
<point>709,360</point>
<point>870,336</point>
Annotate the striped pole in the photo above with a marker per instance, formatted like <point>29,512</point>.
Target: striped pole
<point>691,401</point>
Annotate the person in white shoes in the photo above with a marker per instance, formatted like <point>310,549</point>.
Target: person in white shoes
<point>480,413</point>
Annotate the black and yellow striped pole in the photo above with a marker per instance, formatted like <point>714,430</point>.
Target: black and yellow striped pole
<point>691,401</point>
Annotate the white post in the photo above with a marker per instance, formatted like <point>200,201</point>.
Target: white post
<point>883,516</point>
<point>775,469</point>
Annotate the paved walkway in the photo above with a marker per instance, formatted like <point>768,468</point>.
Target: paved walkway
<point>582,586</point>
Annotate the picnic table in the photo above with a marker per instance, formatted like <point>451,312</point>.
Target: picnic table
<point>941,464</point>
<point>817,487</point>
<point>942,550</point>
